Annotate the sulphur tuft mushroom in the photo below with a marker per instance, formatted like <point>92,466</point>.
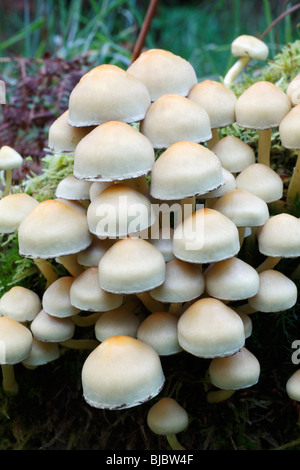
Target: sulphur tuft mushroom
<point>9,160</point>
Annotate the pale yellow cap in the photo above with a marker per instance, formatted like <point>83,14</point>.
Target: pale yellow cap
<point>51,329</point>
<point>217,99</point>
<point>167,417</point>
<point>120,373</point>
<point>205,237</point>
<point>113,151</point>
<point>53,229</point>
<point>9,158</point>
<point>159,330</point>
<point>228,185</point>
<point>130,266</point>
<point>262,181</point>
<point>209,328</point>
<point>93,253</point>
<point>41,353</point>
<point>234,154</point>
<point>13,209</point>
<point>63,138</point>
<point>262,106</point>
<point>56,298</point>
<point>276,292</point>
<point>172,118</point>
<point>20,304</point>
<point>185,169</point>
<point>163,72</point>
<point>107,93</point>
<point>74,189</point>
<point>249,46</point>
<point>120,321</point>
<point>289,129</point>
<point>241,370</point>
<point>280,236</point>
<point>15,341</point>
<point>293,90</point>
<point>293,386</point>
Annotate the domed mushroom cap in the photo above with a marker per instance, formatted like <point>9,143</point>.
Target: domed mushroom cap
<point>163,241</point>
<point>118,211</point>
<point>289,129</point>
<point>280,236</point>
<point>167,417</point>
<point>87,294</point>
<point>243,208</point>
<point>41,353</point>
<point>107,93</point>
<point>234,154</point>
<point>113,151</point>
<point>262,181</point>
<point>93,253</point>
<point>293,90</point>
<point>9,158</point>
<point>276,292</point>
<point>231,279</point>
<point>205,237</point>
<point>63,138</point>
<point>185,169</point>
<point>51,329</point>
<point>159,330</point>
<point>293,386</point>
<point>262,106</point>
<point>56,298</point>
<point>73,189</point>
<point>228,185</point>
<point>13,209</point>
<point>15,341</point>
<point>163,72</point>
<point>20,304</point>
<point>209,328</point>
<point>217,99</point>
<point>130,266</point>
<point>241,370</point>
<point>172,118</point>
<point>132,371</point>
<point>53,229</point>
<point>120,321</point>
<point>183,282</point>
<point>249,46</point>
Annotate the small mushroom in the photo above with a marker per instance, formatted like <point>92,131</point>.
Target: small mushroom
<point>9,160</point>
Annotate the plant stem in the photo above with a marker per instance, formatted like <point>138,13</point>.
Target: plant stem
<point>9,383</point>
<point>235,70</point>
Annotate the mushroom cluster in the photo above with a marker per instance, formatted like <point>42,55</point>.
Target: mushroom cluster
<point>149,228</point>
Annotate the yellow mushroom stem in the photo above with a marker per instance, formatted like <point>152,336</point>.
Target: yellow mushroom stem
<point>8,181</point>
<point>151,304</point>
<point>217,396</point>
<point>46,269</point>
<point>269,263</point>
<point>294,186</point>
<point>235,70</point>
<point>89,320</point>
<point>9,383</point>
<point>175,308</point>
<point>80,344</point>
<point>71,264</point>
<point>173,442</point>
<point>264,146</point>
<point>215,138</point>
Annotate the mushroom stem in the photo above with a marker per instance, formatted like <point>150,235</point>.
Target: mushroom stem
<point>71,264</point>
<point>174,443</point>
<point>151,304</point>
<point>235,70</point>
<point>80,343</point>
<point>241,231</point>
<point>269,263</point>
<point>8,181</point>
<point>86,321</point>
<point>246,309</point>
<point>191,203</point>
<point>215,138</point>
<point>294,186</point>
<point>46,269</point>
<point>264,146</point>
<point>218,396</point>
<point>9,383</point>
<point>175,308</point>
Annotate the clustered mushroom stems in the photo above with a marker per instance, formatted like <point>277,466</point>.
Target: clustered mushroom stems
<point>9,382</point>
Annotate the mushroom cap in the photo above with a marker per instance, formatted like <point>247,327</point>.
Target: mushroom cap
<point>13,209</point>
<point>51,329</point>
<point>209,328</point>
<point>119,321</point>
<point>93,253</point>
<point>293,90</point>
<point>53,229</point>
<point>107,93</point>
<point>293,386</point>
<point>172,118</point>
<point>217,99</point>
<point>56,298</point>
<point>261,106</point>
<point>132,371</point>
<point>41,353</point>
<point>87,294</point>
<point>163,72</point>
<point>233,153</point>
<point>228,185</point>
<point>113,151</point>
<point>262,181</point>
<point>245,317</point>
<point>206,236</point>
<point>289,129</point>
<point>245,209</point>
<point>119,210</point>
<point>159,330</point>
<point>9,158</point>
<point>231,279</point>
<point>130,266</point>
<point>241,370</point>
<point>167,417</point>
<point>249,46</point>
<point>280,236</point>
<point>74,189</point>
<point>20,304</point>
<point>183,282</point>
<point>185,169</point>
<point>163,241</point>
<point>15,341</point>
<point>276,292</point>
<point>63,138</point>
